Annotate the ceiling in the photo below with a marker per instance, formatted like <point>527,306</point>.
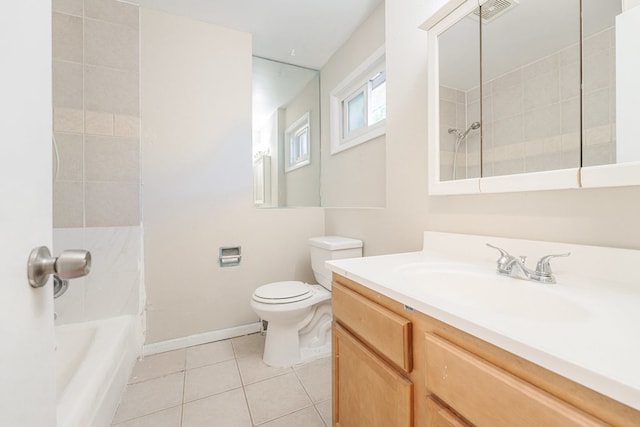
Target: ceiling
<point>299,32</point>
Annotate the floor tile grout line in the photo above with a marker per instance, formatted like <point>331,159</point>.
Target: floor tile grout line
<point>244,393</point>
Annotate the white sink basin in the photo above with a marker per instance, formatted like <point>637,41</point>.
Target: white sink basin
<point>483,290</point>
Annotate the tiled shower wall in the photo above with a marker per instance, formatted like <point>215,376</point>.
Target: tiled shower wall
<point>531,115</point>
<point>96,122</point>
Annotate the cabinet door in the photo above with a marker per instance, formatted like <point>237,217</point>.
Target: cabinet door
<point>367,392</point>
<point>488,396</point>
<point>439,416</point>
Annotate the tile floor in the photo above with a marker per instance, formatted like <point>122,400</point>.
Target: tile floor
<point>225,384</point>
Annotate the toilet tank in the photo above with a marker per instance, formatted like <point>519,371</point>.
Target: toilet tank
<point>326,248</point>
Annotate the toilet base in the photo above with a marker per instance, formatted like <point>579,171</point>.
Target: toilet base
<point>289,344</point>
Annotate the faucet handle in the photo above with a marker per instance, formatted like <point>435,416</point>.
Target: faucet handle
<point>504,262</point>
<point>503,253</point>
<point>544,265</point>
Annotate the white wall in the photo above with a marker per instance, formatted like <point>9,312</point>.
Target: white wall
<point>354,177</point>
<point>197,182</point>
<point>606,217</point>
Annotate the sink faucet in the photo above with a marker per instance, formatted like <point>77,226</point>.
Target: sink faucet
<point>508,265</point>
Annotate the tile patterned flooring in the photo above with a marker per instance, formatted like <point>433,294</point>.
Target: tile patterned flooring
<point>225,384</point>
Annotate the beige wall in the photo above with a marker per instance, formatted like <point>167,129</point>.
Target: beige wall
<point>607,217</point>
<point>197,177</point>
<point>354,177</point>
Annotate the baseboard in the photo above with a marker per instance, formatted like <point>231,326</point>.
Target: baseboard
<point>203,338</point>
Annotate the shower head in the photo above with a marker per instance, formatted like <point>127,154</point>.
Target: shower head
<point>474,126</point>
<point>461,135</point>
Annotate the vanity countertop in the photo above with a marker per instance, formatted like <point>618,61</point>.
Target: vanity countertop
<point>586,327</point>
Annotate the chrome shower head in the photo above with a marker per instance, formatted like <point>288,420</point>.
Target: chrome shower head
<point>474,126</point>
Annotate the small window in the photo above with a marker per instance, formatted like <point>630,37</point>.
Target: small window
<point>297,143</point>
<point>359,105</point>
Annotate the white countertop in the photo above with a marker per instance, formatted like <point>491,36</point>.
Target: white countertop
<point>585,328</point>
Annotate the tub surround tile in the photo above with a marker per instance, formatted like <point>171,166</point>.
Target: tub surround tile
<point>112,159</point>
<point>67,85</point>
<point>316,378</point>
<point>112,11</point>
<point>150,396</point>
<point>69,161</point>
<point>166,418</point>
<point>224,409</point>
<point>253,369</point>
<point>112,204</point>
<point>211,379</point>
<point>111,45</point>
<point>70,7</point>
<point>98,123</point>
<point>275,397</point>
<point>68,120</point>
<point>126,126</point>
<point>66,37</point>
<point>208,354</point>
<point>307,417</point>
<point>111,90</point>
<point>67,204</point>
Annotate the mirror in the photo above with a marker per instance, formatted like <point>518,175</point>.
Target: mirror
<point>555,102</point>
<point>459,68</point>
<point>286,135</point>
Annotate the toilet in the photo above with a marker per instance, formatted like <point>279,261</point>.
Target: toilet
<point>299,314</point>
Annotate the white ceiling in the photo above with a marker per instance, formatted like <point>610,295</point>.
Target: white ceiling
<point>314,29</point>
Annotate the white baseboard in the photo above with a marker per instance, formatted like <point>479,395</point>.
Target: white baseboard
<point>206,337</point>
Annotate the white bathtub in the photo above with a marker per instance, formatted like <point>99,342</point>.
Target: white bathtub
<point>93,363</point>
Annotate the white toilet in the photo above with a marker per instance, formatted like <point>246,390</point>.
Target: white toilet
<point>299,314</point>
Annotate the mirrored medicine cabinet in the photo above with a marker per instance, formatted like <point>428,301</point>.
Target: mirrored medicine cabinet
<point>286,135</point>
<point>525,95</point>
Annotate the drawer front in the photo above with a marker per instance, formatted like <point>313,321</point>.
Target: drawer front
<point>439,416</point>
<point>385,331</point>
<point>367,391</point>
<point>489,396</point>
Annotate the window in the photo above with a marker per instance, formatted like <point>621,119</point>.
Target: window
<point>297,142</point>
<point>359,104</point>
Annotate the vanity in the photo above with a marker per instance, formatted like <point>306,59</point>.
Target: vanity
<point>437,338</point>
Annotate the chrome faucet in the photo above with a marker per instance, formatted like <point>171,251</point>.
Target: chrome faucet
<point>508,265</point>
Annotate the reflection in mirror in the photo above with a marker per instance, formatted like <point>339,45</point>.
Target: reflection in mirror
<point>459,71</point>
<point>600,79</point>
<point>286,134</point>
<point>530,86</point>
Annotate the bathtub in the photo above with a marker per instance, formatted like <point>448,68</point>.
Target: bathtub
<point>93,363</point>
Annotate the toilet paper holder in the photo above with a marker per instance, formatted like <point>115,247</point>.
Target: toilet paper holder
<point>229,256</point>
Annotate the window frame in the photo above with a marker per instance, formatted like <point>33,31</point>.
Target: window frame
<point>355,83</point>
<point>295,129</point>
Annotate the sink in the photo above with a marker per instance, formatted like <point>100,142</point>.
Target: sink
<point>478,289</point>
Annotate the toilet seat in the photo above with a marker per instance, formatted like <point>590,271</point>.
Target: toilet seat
<point>283,292</point>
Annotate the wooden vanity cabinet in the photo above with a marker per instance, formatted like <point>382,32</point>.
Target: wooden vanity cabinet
<point>371,358</point>
<point>396,367</point>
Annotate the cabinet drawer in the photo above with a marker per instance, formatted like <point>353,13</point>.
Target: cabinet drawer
<point>439,416</point>
<point>381,329</point>
<point>367,391</point>
<point>489,396</point>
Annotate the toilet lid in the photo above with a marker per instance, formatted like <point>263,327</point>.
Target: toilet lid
<point>282,292</point>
